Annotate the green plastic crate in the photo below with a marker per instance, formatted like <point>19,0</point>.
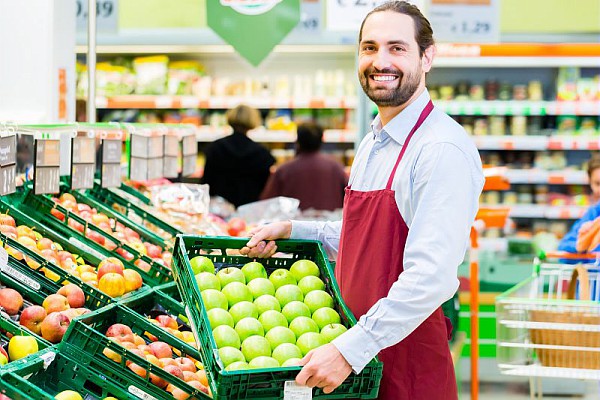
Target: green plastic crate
<point>131,210</point>
<point>85,342</point>
<point>8,326</point>
<point>50,372</point>
<point>135,193</point>
<point>260,383</point>
<point>39,208</point>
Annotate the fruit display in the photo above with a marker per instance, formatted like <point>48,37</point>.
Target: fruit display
<point>16,342</point>
<point>145,353</point>
<point>109,275</point>
<point>266,321</point>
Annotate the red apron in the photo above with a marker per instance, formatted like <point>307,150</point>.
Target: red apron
<point>370,260</point>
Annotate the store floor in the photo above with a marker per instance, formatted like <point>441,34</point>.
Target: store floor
<point>520,391</point>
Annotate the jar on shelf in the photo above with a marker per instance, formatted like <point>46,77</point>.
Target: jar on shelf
<point>480,127</point>
<point>518,125</point>
<point>534,91</point>
<point>541,194</point>
<point>497,125</point>
<point>476,93</point>
<point>491,90</point>
<point>519,92</point>
<point>462,90</point>
<point>446,92</point>
<point>505,91</point>
<point>509,198</point>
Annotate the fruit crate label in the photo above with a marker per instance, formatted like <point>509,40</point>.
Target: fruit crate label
<point>140,393</point>
<point>111,175</point>
<point>138,169</point>
<point>189,165</point>
<point>139,146</point>
<point>46,180</point>
<point>84,150</point>
<point>3,258</point>
<point>24,279</point>
<point>190,146</point>
<point>155,149</point>
<point>293,391</point>
<point>82,176</point>
<point>47,153</point>
<point>8,164</point>
<point>170,167</point>
<point>111,151</point>
<point>47,358</point>
<point>86,249</point>
<point>171,148</point>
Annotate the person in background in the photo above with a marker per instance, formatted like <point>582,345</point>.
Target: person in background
<point>582,236</point>
<point>411,201</point>
<point>315,179</point>
<point>236,167</point>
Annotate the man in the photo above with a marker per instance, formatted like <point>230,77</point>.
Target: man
<point>408,210</point>
<point>315,179</point>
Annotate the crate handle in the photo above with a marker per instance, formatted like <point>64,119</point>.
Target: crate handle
<point>581,274</point>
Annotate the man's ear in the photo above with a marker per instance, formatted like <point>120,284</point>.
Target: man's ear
<point>427,59</point>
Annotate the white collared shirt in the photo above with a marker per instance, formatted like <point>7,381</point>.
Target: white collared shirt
<point>437,187</point>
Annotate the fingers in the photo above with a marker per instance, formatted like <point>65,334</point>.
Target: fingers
<point>306,372</point>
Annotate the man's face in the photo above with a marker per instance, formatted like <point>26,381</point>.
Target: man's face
<point>595,184</point>
<point>390,67</point>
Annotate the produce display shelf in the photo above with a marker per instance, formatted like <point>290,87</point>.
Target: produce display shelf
<point>9,328</point>
<point>259,383</point>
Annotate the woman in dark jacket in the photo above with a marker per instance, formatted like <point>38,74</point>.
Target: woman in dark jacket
<point>236,167</point>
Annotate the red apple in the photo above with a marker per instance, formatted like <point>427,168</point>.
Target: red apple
<point>54,326</point>
<point>122,332</point>
<point>107,267</point>
<point>6,219</point>
<point>161,350</point>
<point>74,294</point>
<point>57,214</point>
<point>55,303</point>
<point>174,370</point>
<point>32,317</point>
<point>153,251</point>
<point>186,364</point>
<point>11,301</point>
<point>235,226</point>
<point>166,321</point>
<point>67,197</point>
<point>96,237</point>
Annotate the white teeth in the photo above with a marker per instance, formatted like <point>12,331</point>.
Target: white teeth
<point>383,78</point>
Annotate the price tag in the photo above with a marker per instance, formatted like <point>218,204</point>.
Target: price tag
<point>83,162</point>
<point>293,391</point>
<point>3,258</point>
<point>110,171</point>
<point>155,168</point>
<point>458,21</point>
<point>138,169</point>
<point>156,148</point>
<point>111,151</point>
<point>110,175</point>
<point>85,248</point>
<point>8,164</point>
<point>107,15</point>
<point>347,15</point>
<point>140,393</point>
<point>189,165</point>
<point>10,271</point>
<point>46,174</point>
<point>146,157</point>
<point>47,153</point>
<point>139,146</point>
<point>47,358</point>
<point>171,146</point>
<point>170,167</point>
<point>310,17</point>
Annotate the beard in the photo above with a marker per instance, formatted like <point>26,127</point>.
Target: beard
<point>392,97</point>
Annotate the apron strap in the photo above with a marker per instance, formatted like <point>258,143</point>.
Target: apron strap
<point>424,114</point>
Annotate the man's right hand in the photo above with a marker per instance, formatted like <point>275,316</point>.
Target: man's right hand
<point>261,243</point>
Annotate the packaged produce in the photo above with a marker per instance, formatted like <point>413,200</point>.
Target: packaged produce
<point>182,77</point>
<point>151,73</point>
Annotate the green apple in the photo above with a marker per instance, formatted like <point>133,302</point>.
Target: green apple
<point>318,299</point>
<point>231,274</point>
<point>303,268</point>
<point>288,293</point>
<point>218,317</point>
<point>267,302</point>
<point>229,355</point>
<point>325,316</point>
<point>310,283</point>
<point>330,332</point>
<point>237,366</point>
<point>249,326</point>
<point>281,277</point>
<point>3,359</point>
<point>236,292</point>
<point>271,318</point>
<point>285,351</point>
<point>214,299</point>
<point>263,362</point>
<point>302,325</point>
<point>207,280</point>
<point>292,362</point>
<point>202,264</point>
<point>295,309</point>
<point>253,270</point>
<point>226,336</point>
<point>279,335</point>
<point>261,286</point>
<point>310,341</point>
<point>255,346</point>
<point>242,310</point>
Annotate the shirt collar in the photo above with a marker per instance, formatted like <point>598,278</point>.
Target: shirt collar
<point>399,127</point>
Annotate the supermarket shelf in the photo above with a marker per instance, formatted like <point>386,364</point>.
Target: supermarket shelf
<point>535,143</point>
<point>537,176</point>
<point>210,134</point>
<point>550,372</point>
<point>514,107</point>
<point>174,102</point>
<point>543,211</point>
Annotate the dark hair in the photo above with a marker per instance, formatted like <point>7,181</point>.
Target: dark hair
<point>423,31</point>
<point>310,137</point>
<point>593,164</point>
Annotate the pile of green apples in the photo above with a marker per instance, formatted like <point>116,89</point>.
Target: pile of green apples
<point>266,321</point>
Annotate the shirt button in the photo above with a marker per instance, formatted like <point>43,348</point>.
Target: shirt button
<point>376,151</point>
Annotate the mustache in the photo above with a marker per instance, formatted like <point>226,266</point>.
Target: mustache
<point>373,70</point>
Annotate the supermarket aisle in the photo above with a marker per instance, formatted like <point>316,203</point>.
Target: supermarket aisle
<point>520,391</point>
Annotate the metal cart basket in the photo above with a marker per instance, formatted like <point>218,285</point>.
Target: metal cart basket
<point>549,324</point>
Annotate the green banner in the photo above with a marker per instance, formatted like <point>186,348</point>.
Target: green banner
<point>253,27</point>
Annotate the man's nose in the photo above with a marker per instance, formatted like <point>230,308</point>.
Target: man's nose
<point>382,60</point>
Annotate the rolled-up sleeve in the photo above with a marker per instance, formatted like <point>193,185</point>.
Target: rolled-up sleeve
<point>446,184</point>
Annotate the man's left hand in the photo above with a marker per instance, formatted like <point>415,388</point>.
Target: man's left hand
<point>325,368</point>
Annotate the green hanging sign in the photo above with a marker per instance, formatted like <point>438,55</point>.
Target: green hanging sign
<point>253,27</point>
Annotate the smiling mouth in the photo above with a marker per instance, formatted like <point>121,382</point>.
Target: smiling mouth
<point>383,78</point>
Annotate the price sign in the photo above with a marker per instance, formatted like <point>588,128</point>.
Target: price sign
<point>110,172</point>
<point>83,162</point>
<point>146,157</point>
<point>107,15</point>
<point>189,149</point>
<point>310,17</point>
<point>171,157</point>
<point>459,21</point>
<point>8,164</point>
<point>46,173</point>
<point>347,15</point>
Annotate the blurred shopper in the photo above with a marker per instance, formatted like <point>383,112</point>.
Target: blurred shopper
<point>409,207</point>
<point>236,167</point>
<point>315,179</point>
<point>584,235</point>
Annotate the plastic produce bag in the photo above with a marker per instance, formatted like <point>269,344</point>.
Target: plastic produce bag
<point>181,198</point>
<point>270,210</point>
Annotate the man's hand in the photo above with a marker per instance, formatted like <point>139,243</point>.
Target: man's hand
<point>325,368</point>
<point>258,247</point>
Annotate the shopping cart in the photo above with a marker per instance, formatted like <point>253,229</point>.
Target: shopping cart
<point>549,324</point>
